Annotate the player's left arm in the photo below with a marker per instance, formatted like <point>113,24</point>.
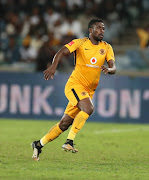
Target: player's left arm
<point>111,69</point>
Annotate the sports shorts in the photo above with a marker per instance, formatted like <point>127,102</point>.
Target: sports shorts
<point>75,92</point>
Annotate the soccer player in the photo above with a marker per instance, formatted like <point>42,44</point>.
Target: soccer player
<point>90,55</point>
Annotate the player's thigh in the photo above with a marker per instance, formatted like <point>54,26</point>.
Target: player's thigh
<point>86,104</point>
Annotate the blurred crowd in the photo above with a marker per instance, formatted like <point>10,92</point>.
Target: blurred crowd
<point>33,31</point>
<point>143,34</point>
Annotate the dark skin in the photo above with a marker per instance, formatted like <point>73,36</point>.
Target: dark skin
<point>96,35</point>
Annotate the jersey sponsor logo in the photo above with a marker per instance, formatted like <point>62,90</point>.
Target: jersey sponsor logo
<point>71,43</point>
<point>102,51</point>
<point>93,60</point>
<point>93,66</point>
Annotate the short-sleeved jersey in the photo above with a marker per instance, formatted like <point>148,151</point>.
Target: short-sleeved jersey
<point>88,60</point>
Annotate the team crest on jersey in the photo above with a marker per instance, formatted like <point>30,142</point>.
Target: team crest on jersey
<point>71,43</point>
<point>83,93</point>
<point>102,51</point>
<point>93,60</point>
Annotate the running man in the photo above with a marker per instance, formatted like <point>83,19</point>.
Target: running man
<point>90,55</point>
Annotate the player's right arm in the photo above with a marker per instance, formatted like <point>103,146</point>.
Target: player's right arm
<point>49,72</point>
<point>65,50</point>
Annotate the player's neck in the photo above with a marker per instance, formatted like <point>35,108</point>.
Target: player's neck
<point>93,41</point>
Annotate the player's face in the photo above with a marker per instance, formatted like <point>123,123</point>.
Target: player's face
<point>98,31</point>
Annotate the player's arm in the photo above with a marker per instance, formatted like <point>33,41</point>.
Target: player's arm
<point>111,69</point>
<point>49,72</point>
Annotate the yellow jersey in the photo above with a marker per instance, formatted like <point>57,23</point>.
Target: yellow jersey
<point>88,60</point>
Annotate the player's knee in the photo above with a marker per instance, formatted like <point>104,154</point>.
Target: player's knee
<point>65,122</point>
<point>89,110</point>
<point>64,125</point>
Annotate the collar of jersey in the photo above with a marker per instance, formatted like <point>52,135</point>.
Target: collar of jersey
<point>93,44</point>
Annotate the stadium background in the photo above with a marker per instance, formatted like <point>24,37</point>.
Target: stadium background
<point>33,31</point>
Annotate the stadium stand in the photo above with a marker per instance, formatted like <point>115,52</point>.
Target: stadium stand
<point>28,29</point>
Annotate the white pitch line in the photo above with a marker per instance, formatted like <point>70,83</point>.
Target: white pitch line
<point>121,130</point>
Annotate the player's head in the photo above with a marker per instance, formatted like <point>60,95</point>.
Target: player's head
<point>96,29</point>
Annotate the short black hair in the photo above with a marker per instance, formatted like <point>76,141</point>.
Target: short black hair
<point>93,21</point>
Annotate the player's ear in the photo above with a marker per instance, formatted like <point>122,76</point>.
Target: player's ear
<point>90,30</point>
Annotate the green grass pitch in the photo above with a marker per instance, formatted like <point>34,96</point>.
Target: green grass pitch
<point>106,152</point>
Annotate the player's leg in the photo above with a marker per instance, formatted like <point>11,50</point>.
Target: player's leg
<point>72,112</point>
<point>79,98</point>
<point>87,108</point>
<point>57,129</point>
<point>54,132</point>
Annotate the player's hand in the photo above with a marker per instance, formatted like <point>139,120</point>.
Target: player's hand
<point>105,69</point>
<point>49,73</point>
